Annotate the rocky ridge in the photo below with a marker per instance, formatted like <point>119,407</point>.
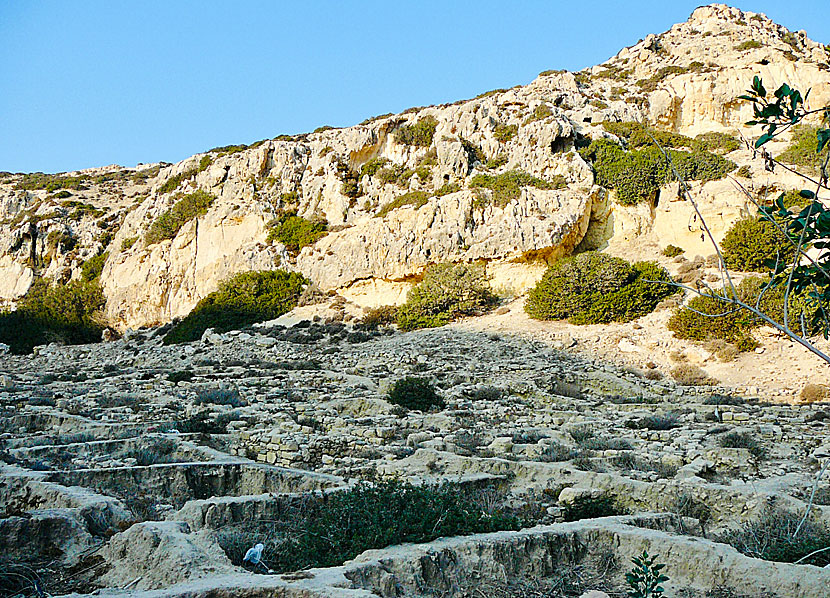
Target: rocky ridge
<point>685,80</point>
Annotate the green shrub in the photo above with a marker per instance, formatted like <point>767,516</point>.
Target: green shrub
<point>504,133</point>
<point>708,318</point>
<point>541,112</point>
<point>81,209</point>
<point>637,174</point>
<point>772,537</point>
<point>91,270</point>
<point>497,162</point>
<point>240,301</point>
<point>326,533</point>
<point>174,181</point>
<point>351,181</point>
<point>744,440</point>
<point>227,150</point>
<point>750,242</point>
<point>128,242</point>
<point>508,185</point>
<point>645,577</point>
<point>638,135</point>
<point>446,292</point>
<point>594,288</point>
<point>372,166</point>
<point>420,133</point>
<point>588,507</point>
<point>687,374</point>
<point>411,198</point>
<point>50,182</point>
<point>802,149</point>
<point>380,316</point>
<point>186,208</point>
<point>65,314</point>
<point>180,376</point>
<point>205,163</point>
<point>296,232</point>
<point>415,394</point>
<point>650,84</point>
<point>750,44</point>
<point>672,251</point>
<point>711,142</point>
<point>397,174</point>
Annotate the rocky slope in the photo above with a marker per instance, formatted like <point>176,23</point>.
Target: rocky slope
<point>685,80</point>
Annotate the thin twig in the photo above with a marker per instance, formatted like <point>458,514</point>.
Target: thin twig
<point>812,496</point>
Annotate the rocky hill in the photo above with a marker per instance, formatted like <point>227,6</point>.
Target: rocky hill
<point>401,191</point>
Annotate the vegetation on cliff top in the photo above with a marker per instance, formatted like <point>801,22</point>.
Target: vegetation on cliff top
<point>186,208</point>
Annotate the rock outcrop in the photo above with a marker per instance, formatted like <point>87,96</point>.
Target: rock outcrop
<point>425,161</point>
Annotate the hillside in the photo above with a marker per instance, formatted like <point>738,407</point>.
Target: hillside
<point>424,160</point>
<point>326,449</point>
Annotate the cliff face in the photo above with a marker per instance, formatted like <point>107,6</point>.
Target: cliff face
<point>685,80</point>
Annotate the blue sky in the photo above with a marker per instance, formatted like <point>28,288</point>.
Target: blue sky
<point>90,83</point>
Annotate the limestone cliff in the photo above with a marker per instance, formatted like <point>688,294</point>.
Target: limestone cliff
<point>685,80</point>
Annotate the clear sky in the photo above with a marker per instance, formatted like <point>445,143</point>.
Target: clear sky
<point>89,83</point>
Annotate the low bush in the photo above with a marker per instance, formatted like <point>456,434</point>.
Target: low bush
<point>446,292</point>
<point>128,242</point>
<point>504,133</point>
<point>594,288</point>
<point>672,251</point>
<point>411,198</point>
<point>205,423</point>
<point>814,393</point>
<point>66,314</point>
<point>174,181</point>
<point>326,533</point>
<point>667,421</point>
<point>240,301</point>
<point>180,376</point>
<point>186,208</point>
<point>296,232</point>
<point>743,440</point>
<point>713,142</point>
<point>590,507</point>
<point>508,186</point>
<point>707,318</point>
<point>372,166</point>
<point>752,242</point>
<point>396,173</point>
<point>154,453</point>
<point>220,396</point>
<point>801,150</point>
<point>637,174</point>
<point>650,84</point>
<point>687,374</point>
<point>541,112</point>
<point>50,182</point>
<point>419,133</point>
<point>750,44</point>
<point>92,268</point>
<point>415,394</point>
<point>772,537</point>
<point>380,316</point>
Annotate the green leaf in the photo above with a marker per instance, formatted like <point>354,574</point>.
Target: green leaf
<point>782,91</point>
<point>763,139</point>
<point>823,136</point>
<point>758,87</point>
